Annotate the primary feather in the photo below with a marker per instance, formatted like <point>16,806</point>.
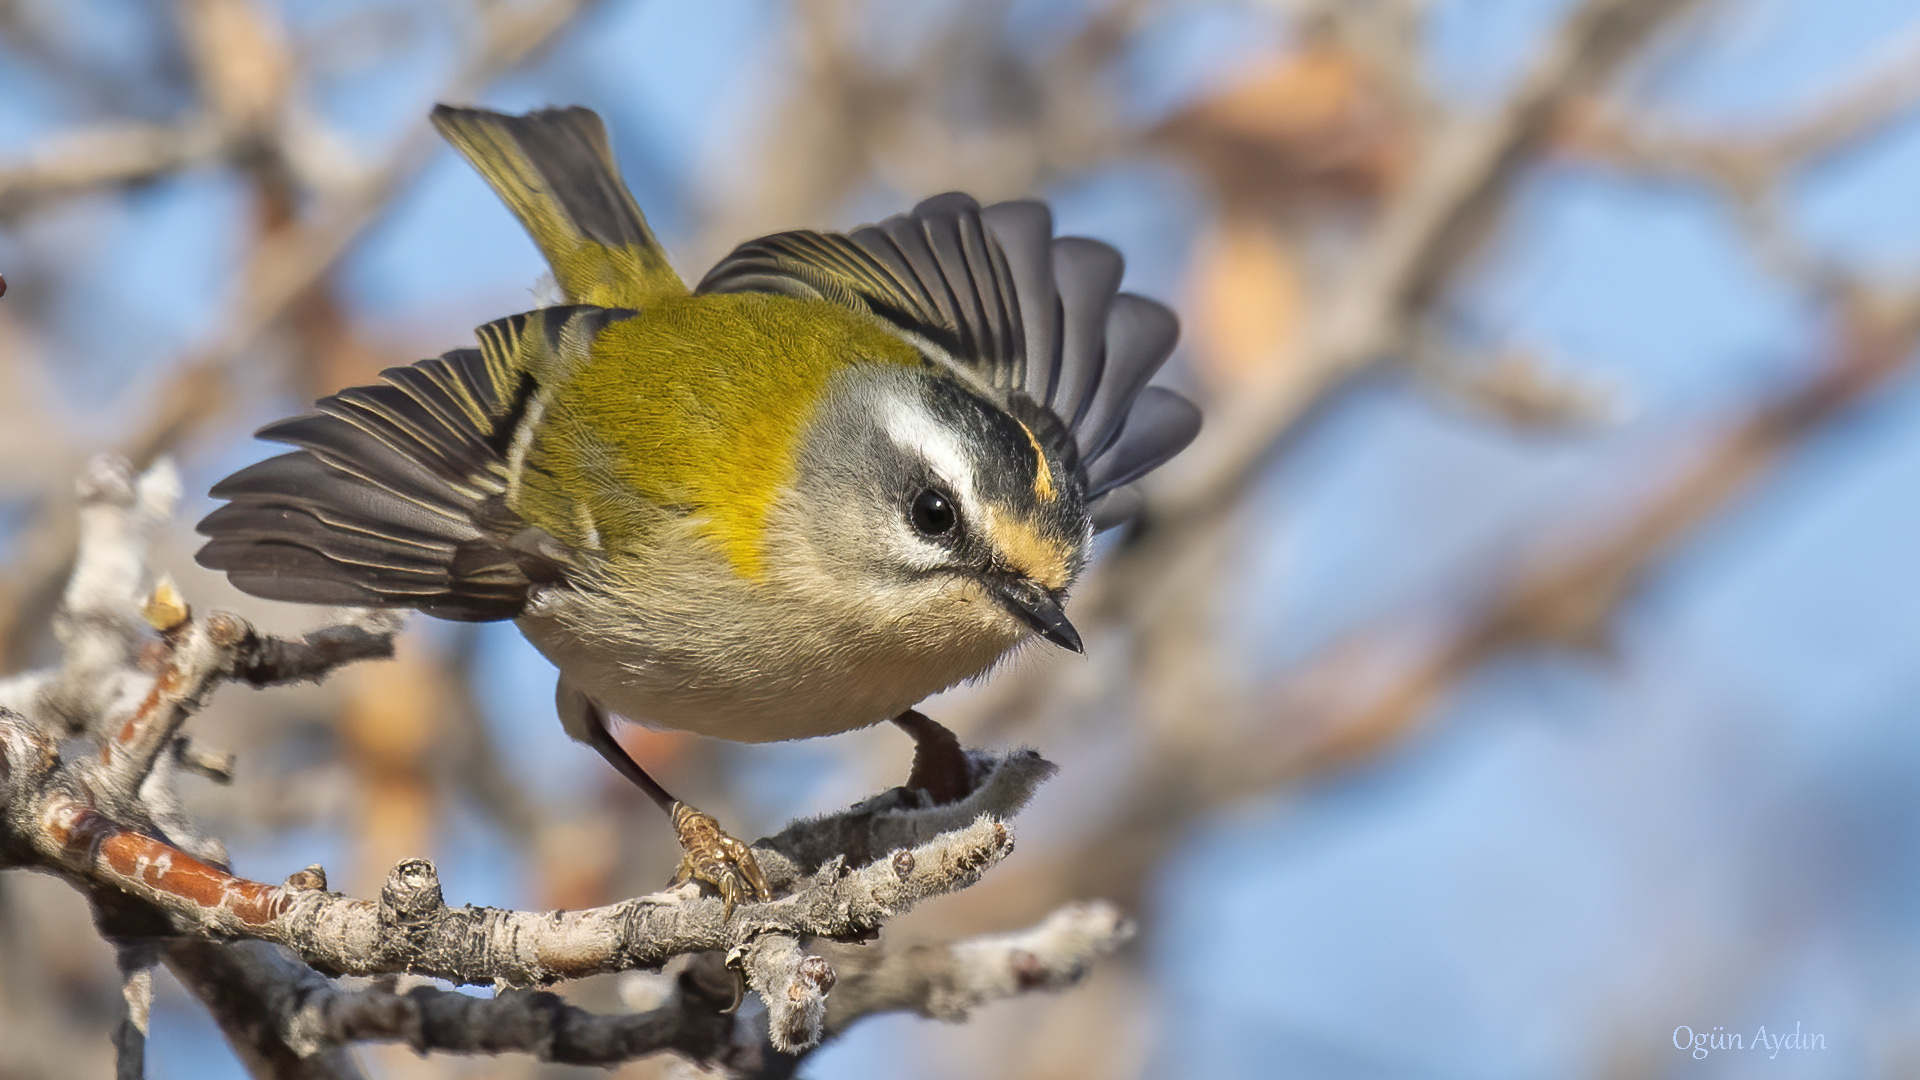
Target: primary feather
<point>1033,319</point>
<point>396,497</point>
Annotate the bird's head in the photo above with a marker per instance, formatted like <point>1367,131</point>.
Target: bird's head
<point>943,513</point>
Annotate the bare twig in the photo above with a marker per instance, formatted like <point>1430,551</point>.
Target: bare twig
<point>805,993</point>
<point>1752,169</point>
<point>1870,102</point>
<point>248,987</point>
<point>136,990</point>
<point>109,824</point>
<point>694,1023</point>
<point>55,819</point>
<point>947,981</point>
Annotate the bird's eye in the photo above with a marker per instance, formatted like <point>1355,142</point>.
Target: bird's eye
<point>932,514</point>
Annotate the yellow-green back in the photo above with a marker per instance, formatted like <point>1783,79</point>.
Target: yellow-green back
<point>696,405</point>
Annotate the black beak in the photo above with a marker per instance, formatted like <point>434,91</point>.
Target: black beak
<point>1039,609</point>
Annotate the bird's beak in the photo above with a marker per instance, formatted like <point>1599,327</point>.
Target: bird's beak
<point>1039,609</point>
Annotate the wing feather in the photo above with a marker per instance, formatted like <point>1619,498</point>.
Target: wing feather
<point>1159,426</point>
<point>1029,317</point>
<point>1024,233</point>
<point>1087,274</point>
<point>396,495</point>
<point>1140,335</point>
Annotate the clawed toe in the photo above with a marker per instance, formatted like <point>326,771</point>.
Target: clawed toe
<point>717,859</point>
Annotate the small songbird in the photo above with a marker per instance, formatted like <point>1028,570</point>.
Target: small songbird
<point>843,473</point>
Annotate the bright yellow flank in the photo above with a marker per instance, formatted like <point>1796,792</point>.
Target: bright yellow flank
<point>697,405</point>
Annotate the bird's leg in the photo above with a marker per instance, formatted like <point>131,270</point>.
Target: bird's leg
<point>709,854</point>
<point>940,766</point>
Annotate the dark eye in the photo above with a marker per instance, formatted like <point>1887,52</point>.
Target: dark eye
<point>932,513</point>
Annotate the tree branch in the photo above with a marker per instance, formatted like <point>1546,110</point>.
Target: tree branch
<point>947,981</point>
<point>140,663</point>
<point>941,981</point>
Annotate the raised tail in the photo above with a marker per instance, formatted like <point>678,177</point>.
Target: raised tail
<point>555,170</point>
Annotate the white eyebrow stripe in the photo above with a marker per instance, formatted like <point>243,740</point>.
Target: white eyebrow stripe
<point>916,431</point>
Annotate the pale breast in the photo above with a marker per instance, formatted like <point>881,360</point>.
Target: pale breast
<point>678,673</point>
<point>694,647</point>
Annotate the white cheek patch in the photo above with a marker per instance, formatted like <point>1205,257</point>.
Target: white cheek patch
<point>914,553</point>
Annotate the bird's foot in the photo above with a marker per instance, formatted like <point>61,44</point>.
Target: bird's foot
<point>717,859</point>
<point>940,766</point>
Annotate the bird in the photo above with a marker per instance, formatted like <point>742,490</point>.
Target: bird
<point>843,472</point>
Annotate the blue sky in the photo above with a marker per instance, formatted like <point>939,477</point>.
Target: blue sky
<point>1712,827</point>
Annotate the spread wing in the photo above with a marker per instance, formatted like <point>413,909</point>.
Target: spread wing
<point>1027,315</point>
<point>396,495</point>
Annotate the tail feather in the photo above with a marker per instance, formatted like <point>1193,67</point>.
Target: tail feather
<point>555,170</point>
